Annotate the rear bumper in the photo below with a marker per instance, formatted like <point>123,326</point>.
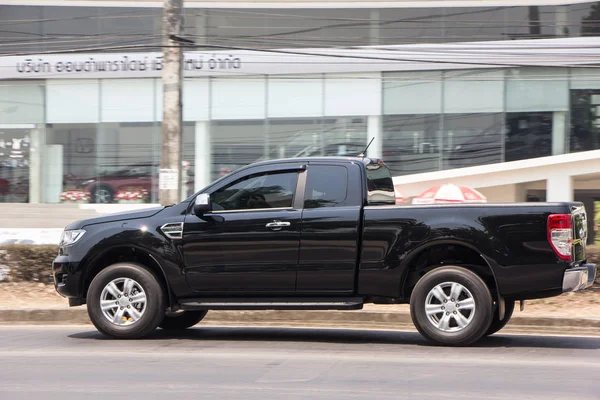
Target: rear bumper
<point>579,278</point>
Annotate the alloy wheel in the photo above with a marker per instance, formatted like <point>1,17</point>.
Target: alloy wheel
<point>123,301</point>
<point>450,307</point>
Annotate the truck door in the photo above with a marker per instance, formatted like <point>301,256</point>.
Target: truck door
<point>330,229</point>
<point>249,241</point>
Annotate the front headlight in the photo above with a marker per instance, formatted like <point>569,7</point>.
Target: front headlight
<point>70,237</point>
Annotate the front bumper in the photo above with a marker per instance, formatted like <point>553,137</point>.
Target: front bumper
<point>579,278</point>
<point>66,275</point>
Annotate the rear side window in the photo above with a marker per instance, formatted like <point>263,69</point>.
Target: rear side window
<point>326,186</point>
<point>380,186</point>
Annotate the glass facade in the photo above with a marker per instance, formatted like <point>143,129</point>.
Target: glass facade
<point>98,140</point>
<point>30,29</point>
<point>446,119</point>
<point>528,135</point>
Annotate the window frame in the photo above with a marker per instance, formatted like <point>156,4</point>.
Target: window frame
<point>259,175</point>
<point>237,175</point>
<point>344,202</point>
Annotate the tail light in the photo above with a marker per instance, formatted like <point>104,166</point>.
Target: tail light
<point>560,235</point>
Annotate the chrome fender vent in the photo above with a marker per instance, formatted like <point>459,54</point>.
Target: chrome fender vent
<point>173,230</point>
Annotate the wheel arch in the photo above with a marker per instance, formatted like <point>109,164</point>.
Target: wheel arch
<point>441,253</point>
<point>127,253</point>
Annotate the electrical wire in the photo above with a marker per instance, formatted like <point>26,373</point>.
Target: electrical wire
<point>371,23</point>
<point>253,15</point>
<point>454,61</point>
<point>126,14</point>
<point>364,22</point>
<point>81,40</point>
<point>420,48</point>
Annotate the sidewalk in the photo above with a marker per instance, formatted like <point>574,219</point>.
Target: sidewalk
<point>573,314</point>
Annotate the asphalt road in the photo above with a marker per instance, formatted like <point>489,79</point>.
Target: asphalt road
<point>75,362</point>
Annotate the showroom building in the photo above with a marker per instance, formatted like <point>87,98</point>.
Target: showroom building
<point>440,87</point>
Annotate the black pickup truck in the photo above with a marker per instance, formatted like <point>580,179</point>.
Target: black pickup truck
<point>320,233</point>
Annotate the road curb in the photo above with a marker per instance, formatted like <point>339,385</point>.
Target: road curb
<point>348,319</point>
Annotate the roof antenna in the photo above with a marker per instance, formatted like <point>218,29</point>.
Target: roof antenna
<point>362,153</point>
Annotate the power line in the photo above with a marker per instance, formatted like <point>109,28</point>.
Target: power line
<point>113,43</point>
<point>368,24</point>
<point>239,14</point>
<point>126,14</point>
<point>110,42</point>
<point>332,41</point>
<point>290,52</point>
<point>441,19</point>
<point>48,42</point>
<point>253,15</point>
<point>480,45</point>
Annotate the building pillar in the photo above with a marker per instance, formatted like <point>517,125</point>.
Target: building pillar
<point>559,132</point>
<point>520,192</point>
<point>36,147</point>
<point>201,27</point>
<point>559,188</point>
<point>374,131</point>
<point>53,173</point>
<point>561,26</point>
<point>203,162</point>
<point>374,32</point>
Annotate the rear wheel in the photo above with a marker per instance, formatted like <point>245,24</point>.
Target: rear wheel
<point>125,301</point>
<point>181,320</point>
<point>497,323</point>
<point>451,306</point>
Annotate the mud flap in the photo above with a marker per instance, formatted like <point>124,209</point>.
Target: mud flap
<point>501,307</point>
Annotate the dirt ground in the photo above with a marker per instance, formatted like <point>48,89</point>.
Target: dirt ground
<point>586,304</point>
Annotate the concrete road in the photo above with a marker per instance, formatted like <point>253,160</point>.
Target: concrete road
<point>75,362</point>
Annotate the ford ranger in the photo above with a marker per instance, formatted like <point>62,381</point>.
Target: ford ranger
<point>320,233</point>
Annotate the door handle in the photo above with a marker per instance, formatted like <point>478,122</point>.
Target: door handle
<point>277,225</point>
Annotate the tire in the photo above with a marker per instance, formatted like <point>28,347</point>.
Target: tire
<point>102,194</point>
<point>181,320</point>
<point>451,325</point>
<point>129,325</point>
<point>497,324</point>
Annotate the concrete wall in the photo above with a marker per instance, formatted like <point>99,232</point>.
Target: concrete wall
<point>558,175</point>
<point>504,193</point>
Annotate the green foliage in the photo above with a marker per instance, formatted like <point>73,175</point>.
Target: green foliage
<point>593,256</point>
<point>31,263</point>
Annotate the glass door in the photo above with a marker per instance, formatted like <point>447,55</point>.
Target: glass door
<point>15,143</point>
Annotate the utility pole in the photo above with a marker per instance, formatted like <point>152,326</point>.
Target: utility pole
<point>171,127</point>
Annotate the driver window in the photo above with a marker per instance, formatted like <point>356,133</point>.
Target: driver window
<point>267,190</point>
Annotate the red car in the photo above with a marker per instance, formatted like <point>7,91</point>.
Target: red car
<point>105,187</point>
<point>4,187</point>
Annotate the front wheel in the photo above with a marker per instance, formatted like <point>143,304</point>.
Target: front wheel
<point>181,320</point>
<point>451,306</point>
<point>125,301</point>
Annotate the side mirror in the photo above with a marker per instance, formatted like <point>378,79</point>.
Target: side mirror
<point>202,204</point>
